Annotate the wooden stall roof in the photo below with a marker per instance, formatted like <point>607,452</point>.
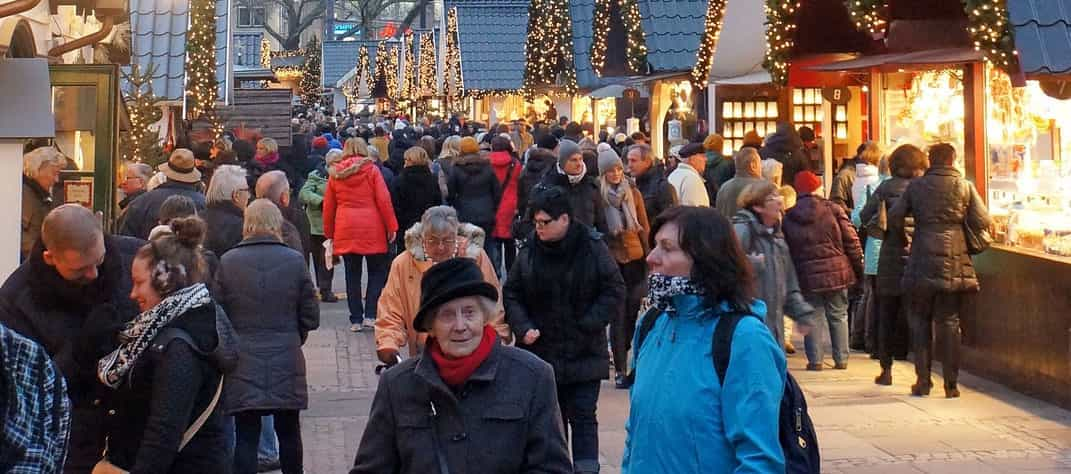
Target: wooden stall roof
<point>265,110</point>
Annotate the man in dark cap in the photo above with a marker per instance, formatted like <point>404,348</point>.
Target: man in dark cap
<point>687,179</point>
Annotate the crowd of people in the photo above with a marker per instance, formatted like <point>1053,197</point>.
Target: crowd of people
<point>505,273</point>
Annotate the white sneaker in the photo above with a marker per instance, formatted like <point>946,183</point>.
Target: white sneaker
<point>355,328</point>
<point>370,324</point>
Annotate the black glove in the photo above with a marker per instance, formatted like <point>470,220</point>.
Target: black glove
<point>100,332</point>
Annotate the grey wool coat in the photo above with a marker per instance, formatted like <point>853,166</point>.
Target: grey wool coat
<point>775,274</point>
<point>267,292</point>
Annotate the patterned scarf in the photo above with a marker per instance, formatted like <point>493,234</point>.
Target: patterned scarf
<point>621,212</point>
<point>139,333</point>
<point>574,180</point>
<point>662,289</point>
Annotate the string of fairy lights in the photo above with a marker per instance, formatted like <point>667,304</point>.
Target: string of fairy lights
<point>991,32</point>
<point>310,86</point>
<point>201,92</point>
<point>704,57</point>
<point>428,66</point>
<point>408,90</point>
<point>780,38</point>
<point>548,51</point>
<point>868,15</point>
<point>453,83</point>
<point>636,44</point>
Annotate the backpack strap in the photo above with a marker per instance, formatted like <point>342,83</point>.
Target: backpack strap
<point>162,340</point>
<point>722,342</point>
<point>647,322</point>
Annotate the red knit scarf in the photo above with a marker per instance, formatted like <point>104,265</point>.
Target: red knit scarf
<point>456,371</point>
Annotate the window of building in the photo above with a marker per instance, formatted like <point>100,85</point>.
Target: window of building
<point>250,16</point>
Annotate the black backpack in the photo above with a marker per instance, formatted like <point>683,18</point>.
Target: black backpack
<point>799,441</point>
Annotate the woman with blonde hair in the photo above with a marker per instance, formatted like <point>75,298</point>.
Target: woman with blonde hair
<point>267,159</point>
<point>444,165</point>
<point>359,221</point>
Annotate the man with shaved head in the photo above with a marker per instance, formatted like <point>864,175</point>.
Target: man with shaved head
<point>71,296</point>
<point>297,232</point>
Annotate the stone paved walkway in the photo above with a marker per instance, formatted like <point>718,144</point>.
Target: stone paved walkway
<point>863,428</point>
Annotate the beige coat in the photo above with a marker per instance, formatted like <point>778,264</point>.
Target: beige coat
<point>400,300</point>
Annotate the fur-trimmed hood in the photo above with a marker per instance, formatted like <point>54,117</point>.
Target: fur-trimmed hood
<point>472,239</point>
<point>349,166</point>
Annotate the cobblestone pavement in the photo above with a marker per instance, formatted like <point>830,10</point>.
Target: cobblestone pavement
<point>862,428</point>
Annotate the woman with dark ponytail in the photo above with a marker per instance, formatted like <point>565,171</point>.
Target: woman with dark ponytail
<point>168,370</point>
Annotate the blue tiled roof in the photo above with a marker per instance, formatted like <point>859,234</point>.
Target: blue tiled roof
<point>492,34</point>
<point>1042,30</point>
<point>673,30</point>
<point>582,12</point>
<point>158,32</point>
<point>339,57</point>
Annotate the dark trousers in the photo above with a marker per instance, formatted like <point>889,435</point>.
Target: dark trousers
<point>287,429</point>
<point>623,326</point>
<point>323,275</point>
<point>893,334</point>
<point>578,402</point>
<point>378,266</point>
<point>502,249</point>
<point>938,312</point>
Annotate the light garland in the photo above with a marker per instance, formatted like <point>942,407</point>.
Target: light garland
<point>635,50</point>
<point>780,38</point>
<point>704,57</point>
<point>868,15</point>
<point>409,90</point>
<point>991,32</point>
<point>548,51</point>
<point>392,72</point>
<point>201,86</point>
<point>141,144</point>
<point>428,66</point>
<point>453,83</point>
<point>364,70</point>
<point>310,86</point>
<point>265,53</point>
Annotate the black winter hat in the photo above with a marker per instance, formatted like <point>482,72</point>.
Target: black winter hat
<point>548,142</point>
<point>449,280</point>
<point>692,149</point>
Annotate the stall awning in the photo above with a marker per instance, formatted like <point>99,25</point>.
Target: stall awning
<point>255,74</point>
<point>1042,35</point>
<point>891,62</point>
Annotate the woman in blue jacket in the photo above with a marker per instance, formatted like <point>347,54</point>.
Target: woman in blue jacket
<point>698,273</point>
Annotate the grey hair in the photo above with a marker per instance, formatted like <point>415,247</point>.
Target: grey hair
<point>451,147</point>
<point>333,155</point>
<point>440,220</point>
<point>272,185</point>
<point>262,217</point>
<point>646,152</point>
<point>745,158</point>
<point>140,170</point>
<point>33,161</point>
<point>226,179</point>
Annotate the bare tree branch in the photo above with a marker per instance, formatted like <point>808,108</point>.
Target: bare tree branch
<point>419,7</point>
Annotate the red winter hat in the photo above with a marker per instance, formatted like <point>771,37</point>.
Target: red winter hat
<point>806,182</point>
<point>319,142</point>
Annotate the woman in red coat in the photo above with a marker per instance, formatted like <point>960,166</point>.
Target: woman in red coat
<point>359,219</point>
<point>507,171</point>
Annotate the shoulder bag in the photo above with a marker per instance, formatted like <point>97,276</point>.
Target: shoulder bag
<point>978,240</point>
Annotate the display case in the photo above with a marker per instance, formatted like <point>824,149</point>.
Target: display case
<point>741,116</point>
<point>1029,181</point>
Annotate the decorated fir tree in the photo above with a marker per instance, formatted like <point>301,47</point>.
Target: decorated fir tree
<point>310,80</point>
<point>201,87</point>
<point>141,144</point>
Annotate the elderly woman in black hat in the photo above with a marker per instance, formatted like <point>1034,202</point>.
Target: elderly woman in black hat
<point>468,403</point>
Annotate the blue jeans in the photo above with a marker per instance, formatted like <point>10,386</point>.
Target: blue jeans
<point>832,308</point>
<point>378,266</point>
<point>268,449</point>
<point>578,402</point>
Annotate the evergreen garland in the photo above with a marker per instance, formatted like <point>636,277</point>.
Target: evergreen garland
<point>992,34</point>
<point>780,38</point>
<point>635,50</point>
<point>868,15</point>
<point>141,144</point>
<point>704,58</point>
<point>201,86</point>
<point>428,66</point>
<point>310,87</point>
<point>548,51</point>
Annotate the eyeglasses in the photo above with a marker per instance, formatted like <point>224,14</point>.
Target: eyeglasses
<point>440,242</point>
<point>540,223</point>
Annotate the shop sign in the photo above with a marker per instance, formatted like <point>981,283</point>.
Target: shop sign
<point>631,93</point>
<point>78,192</point>
<point>674,133</point>
<point>837,95</point>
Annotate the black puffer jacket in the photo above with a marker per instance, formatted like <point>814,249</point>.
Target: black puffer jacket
<point>942,202</point>
<point>268,295</point>
<point>584,198</point>
<point>658,194</point>
<point>896,245</point>
<point>540,162</point>
<point>38,303</point>
<point>569,290</point>
<point>475,191</point>
<point>824,246</point>
<point>415,190</point>
<point>141,215</point>
<point>168,388</point>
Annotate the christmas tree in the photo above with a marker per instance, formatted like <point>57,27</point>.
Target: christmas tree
<point>141,144</point>
<point>310,80</point>
<point>201,87</point>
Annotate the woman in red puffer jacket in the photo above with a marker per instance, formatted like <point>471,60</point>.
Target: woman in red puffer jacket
<point>508,171</point>
<point>359,220</point>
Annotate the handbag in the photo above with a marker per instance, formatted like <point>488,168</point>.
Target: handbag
<point>879,223</point>
<point>104,466</point>
<point>978,240</point>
